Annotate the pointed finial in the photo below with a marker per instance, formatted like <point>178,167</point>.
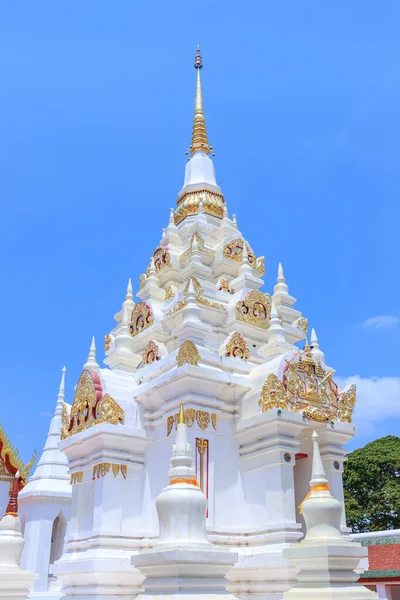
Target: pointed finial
<point>181,417</point>
<point>245,254</point>
<point>234,220</point>
<point>171,221</point>
<point>316,351</point>
<point>61,389</point>
<point>318,472</point>
<point>129,295</point>
<point>281,278</point>
<point>199,135</point>
<point>225,211</point>
<point>91,361</point>
<point>12,507</point>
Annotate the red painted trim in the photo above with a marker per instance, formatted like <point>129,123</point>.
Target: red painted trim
<point>300,455</point>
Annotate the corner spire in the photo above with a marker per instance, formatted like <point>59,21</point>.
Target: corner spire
<point>91,361</point>
<point>199,135</point>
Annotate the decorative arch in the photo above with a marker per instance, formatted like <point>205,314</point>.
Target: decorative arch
<point>89,407</point>
<point>255,309</point>
<point>58,533</point>
<point>142,317</point>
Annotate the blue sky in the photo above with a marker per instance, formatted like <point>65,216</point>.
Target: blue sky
<point>302,104</point>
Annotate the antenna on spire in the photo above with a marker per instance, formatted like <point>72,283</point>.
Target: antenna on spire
<point>198,61</point>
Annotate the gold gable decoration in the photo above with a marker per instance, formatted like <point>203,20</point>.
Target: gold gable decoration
<point>234,251</point>
<point>151,353</point>
<point>196,239</point>
<point>188,204</point>
<point>237,346</point>
<point>10,460</point>
<point>141,318</point>
<point>161,258</point>
<point>255,309</point>
<point>188,354</point>
<point>307,387</point>
<point>89,407</point>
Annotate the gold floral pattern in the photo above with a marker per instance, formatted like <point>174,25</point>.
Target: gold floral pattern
<point>347,401</point>
<point>225,287</point>
<point>237,346</point>
<point>255,309</point>
<point>151,353</point>
<point>203,419</point>
<point>301,323</point>
<point>89,407</point>
<point>141,318</point>
<point>188,354</point>
<point>76,477</point>
<point>169,293</point>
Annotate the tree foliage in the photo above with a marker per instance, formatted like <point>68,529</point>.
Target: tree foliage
<point>371,482</point>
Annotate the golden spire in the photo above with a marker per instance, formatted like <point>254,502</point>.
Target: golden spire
<point>199,135</point>
<point>181,418</point>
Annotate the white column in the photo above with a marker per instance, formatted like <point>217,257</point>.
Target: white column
<point>383,591</point>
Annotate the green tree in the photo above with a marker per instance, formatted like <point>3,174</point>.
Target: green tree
<point>371,482</point>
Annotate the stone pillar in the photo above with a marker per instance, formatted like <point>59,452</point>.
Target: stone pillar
<point>383,591</point>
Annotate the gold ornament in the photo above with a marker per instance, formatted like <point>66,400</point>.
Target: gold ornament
<point>311,388</point>
<point>124,471</point>
<point>273,394</point>
<point>89,408</point>
<point>142,281</point>
<point>237,346</point>
<point>115,469</point>
<point>169,293</point>
<point>101,470</point>
<point>188,354</point>
<point>170,424</point>
<point>201,247</point>
<point>214,421</point>
<point>188,204</point>
<point>76,477</point>
<point>198,293</point>
<point>10,458</point>
<point>347,402</point>
<point>225,287</point>
<point>234,251</point>
<point>301,323</point>
<point>151,353</point>
<point>255,309</point>
<point>141,318</point>
<point>203,419</point>
<point>161,258</point>
<point>107,342</point>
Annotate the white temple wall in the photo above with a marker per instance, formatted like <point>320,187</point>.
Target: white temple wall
<point>39,520</point>
<point>226,493</point>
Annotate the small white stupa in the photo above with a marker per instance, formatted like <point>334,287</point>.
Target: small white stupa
<point>325,559</point>
<point>15,583</point>
<point>183,563</point>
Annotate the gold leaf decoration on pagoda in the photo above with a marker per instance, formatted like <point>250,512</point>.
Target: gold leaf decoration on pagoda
<point>107,342</point>
<point>10,460</point>
<point>141,318</point>
<point>198,292</point>
<point>234,251</point>
<point>308,387</point>
<point>89,407</point>
<point>169,293</point>
<point>273,394</point>
<point>188,204</point>
<point>237,346</point>
<point>196,240</point>
<point>301,323</point>
<point>161,258</point>
<point>224,286</point>
<point>151,353</point>
<point>188,354</point>
<point>255,309</point>
<point>191,416</point>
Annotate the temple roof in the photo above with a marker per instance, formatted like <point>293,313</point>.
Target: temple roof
<point>10,458</point>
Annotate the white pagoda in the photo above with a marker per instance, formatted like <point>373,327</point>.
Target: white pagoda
<point>253,389</point>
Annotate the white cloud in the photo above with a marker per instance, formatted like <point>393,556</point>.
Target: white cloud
<point>48,415</point>
<point>377,409</point>
<point>382,322</point>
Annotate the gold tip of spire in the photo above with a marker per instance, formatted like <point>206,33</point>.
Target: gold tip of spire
<point>181,417</point>
<point>199,134</point>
